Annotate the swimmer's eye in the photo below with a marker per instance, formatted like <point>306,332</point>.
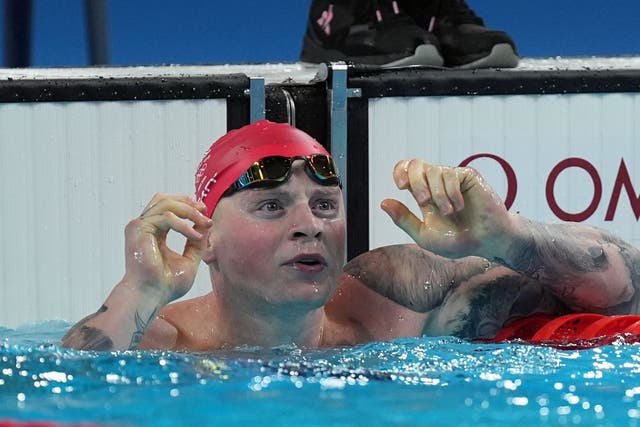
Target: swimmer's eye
<point>326,208</point>
<point>271,206</point>
<point>326,205</point>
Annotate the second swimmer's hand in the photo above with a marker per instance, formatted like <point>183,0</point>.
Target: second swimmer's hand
<point>150,263</point>
<point>461,214</point>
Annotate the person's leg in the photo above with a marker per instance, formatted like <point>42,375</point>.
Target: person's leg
<point>366,32</point>
<point>465,41</point>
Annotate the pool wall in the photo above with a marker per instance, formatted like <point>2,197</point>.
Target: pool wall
<point>83,150</point>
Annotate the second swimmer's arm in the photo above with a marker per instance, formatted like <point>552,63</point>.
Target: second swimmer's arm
<point>413,277</point>
<point>588,268</point>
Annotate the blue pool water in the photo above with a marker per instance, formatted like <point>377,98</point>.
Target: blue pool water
<point>405,382</point>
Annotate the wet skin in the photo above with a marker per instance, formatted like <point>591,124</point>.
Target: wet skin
<point>279,246</point>
<point>275,258</point>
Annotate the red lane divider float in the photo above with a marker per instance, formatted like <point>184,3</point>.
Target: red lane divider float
<point>612,325</point>
<point>565,328</point>
<point>522,329</point>
<point>575,331</point>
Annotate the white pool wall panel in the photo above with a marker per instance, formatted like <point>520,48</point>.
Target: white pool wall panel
<point>72,174</point>
<point>532,133</point>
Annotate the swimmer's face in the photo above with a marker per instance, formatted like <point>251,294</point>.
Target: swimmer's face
<point>282,244</point>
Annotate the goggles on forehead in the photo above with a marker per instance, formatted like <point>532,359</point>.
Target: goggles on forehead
<point>276,169</point>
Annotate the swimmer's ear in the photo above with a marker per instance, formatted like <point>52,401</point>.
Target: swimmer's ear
<point>209,255</point>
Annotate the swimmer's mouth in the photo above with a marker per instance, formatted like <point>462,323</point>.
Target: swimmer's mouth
<point>309,261</point>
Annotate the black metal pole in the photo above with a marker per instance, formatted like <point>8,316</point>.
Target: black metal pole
<point>96,16</point>
<point>17,33</point>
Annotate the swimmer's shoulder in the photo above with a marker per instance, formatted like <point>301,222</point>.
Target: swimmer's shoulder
<point>357,314</point>
<point>160,335</point>
<point>184,325</point>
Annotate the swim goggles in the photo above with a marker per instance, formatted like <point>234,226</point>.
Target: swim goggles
<point>274,170</point>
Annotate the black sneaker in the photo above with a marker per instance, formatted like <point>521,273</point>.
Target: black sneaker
<point>465,42</point>
<point>367,32</point>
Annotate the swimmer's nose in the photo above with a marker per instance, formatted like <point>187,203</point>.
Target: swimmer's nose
<point>305,224</point>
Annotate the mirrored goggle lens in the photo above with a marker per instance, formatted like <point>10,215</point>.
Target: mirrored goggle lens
<point>277,169</point>
<point>322,166</point>
<point>273,168</point>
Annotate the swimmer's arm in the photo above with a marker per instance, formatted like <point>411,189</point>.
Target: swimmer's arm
<point>587,268</point>
<point>155,275</point>
<point>413,277</point>
<point>119,324</point>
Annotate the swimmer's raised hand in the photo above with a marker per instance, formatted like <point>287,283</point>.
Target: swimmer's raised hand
<point>461,214</point>
<point>155,275</point>
<point>149,261</point>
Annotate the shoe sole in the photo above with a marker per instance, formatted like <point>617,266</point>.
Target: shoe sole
<point>502,56</point>
<point>425,55</point>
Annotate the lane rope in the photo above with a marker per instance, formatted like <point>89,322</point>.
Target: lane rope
<point>576,330</point>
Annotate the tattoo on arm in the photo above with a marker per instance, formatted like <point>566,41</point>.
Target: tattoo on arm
<point>413,277</point>
<point>560,255</point>
<point>141,326</point>
<point>83,337</point>
<point>631,258</point>
<point>551,247</point>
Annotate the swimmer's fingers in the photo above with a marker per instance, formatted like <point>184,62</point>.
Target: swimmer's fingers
<point>430,185</point>
<point>453,200</point>
<point>194,248</point>
<point>161,202</point>
<point>167,212</point>
<point>175,220</point>
<point>432,233</point>
<point>146,235</point>
<point>158,200</point>
<point>419,184</point>
<point>146,238</point>
<point>403,218</point>
<point>400,174</point>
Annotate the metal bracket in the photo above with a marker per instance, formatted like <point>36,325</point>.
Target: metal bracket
<point>256,99</point>
<point>290,105</point>
<point>336,74</point>
<point>339,93</point>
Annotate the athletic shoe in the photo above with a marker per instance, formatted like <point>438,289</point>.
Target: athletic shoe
<point>367,32</point>
<point>465,41</point>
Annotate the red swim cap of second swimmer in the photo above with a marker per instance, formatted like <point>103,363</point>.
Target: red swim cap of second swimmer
<point>232,154</point>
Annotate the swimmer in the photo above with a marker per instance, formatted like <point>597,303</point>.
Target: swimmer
<point>269,222</point>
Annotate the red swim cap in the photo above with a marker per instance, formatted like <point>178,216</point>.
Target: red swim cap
<point>232,154</point>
